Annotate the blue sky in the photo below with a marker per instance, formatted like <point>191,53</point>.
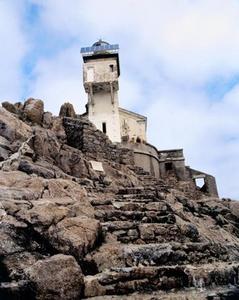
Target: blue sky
<point>179,66</point>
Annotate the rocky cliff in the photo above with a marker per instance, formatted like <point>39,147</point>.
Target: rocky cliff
<point>69,231</point>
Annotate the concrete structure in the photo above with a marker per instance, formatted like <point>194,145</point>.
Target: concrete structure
<point>101,72</point>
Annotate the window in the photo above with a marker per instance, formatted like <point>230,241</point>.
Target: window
<point>112,68</point>
<point>169,166</point>
<point>104,127</point>
<point>90,74</point>
<point>199,182</point>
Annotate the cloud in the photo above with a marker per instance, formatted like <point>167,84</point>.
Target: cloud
<point>59,79</point>
<point>208,132</point>
<point>190,39</point>
<point>172,54</point>
<point>13,48</point>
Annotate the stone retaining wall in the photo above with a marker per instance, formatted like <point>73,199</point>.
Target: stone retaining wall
<point>83,135</point>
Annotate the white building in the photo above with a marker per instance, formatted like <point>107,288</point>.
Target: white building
<point>101,71</point>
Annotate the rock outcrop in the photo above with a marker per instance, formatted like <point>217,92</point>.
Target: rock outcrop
<point>57,277</point>
<point>33,111</point>
<point>70,230</point>
<point>67,110</point>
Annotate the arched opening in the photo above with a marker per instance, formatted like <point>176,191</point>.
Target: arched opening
<point>199,182</point>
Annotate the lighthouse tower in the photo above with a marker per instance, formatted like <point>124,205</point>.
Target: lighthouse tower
<point>100,76</point>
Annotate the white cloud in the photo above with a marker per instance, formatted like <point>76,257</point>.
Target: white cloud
<point>13,48</point>
<point>59,80</point>
<point>192,39</point>
<point>209,133</point>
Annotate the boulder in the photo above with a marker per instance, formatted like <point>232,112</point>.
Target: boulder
<point>67,110</point>
<point>75,236</point>
<point>45,144</point>
<point>16,263</point>
<point>9,107</point>
<point>4,154</point>
<point>234,207</point>
<point>57,278</point>
<point>11,128</point>
<point>33,110</point>
<point>47,120</point>
<point>72,162</point>
<point>8,241</point>
<point>44,213</point>
<point>41,169</point>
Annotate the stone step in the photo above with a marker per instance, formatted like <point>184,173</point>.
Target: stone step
<point>227,292</point>
<point>148,181</point>
<point>145,233</point>
<point>98,201</point>
<point>140,171</point>
<point>121,281</point>
<point>16,290</point>
<point>172,253</point>
<point>140,197</point>
<point>135,190</point>
<point>108,213</point>
<point>139,206</point>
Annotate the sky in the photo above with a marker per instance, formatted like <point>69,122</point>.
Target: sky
<point>179,67</point>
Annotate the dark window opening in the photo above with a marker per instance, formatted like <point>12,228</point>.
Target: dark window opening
<point>169,166</point>
<point>112,68</point>
<point>138,140</point>
<point>104,127</point>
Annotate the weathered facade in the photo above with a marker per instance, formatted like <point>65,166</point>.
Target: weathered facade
<point>132,126</point>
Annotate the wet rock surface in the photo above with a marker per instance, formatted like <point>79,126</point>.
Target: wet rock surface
<point>71,232</point>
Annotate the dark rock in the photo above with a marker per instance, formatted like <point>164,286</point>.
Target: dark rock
<point>4,154</point>
<point>190,230</point>
<point>33,110</point>
<point>47,120</point>
<point>67,110</point>
<point>38,169</point>
<point>9,107</point>
<point>58,277</point>
<point>11,128</point>
<point>75,235</point>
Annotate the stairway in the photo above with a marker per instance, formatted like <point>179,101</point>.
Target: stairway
<point>149,251</point>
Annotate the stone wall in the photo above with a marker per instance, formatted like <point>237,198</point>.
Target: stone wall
<point>175,160</point>
<point>210,186</point>
<point>83,135</point>
<point>95,145</point>
<point>145,157</point>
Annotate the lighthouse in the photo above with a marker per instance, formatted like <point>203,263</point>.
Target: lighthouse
<point>101,71</point>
